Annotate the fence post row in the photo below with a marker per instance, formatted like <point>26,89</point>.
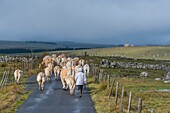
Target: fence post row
<point>101,75</point>
<point>3,80</point>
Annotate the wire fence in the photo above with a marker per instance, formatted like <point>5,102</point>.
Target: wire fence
<point>123,101</point>
<point>8,74</point>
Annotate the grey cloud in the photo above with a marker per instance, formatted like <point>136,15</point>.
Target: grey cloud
<point>100,21</point>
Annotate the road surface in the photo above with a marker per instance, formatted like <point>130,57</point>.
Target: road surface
<point>55,100</point>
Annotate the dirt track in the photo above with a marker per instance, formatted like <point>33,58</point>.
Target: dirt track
<point>55,100</point>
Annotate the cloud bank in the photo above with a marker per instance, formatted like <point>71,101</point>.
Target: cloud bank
<point>96,21</point>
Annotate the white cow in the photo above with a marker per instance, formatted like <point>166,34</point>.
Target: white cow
<point>48,71</point>
<point>41,80</point>
<point>86,69</point>
<point>17,75</point>
<point>81,62</point>
<point>57,72</point>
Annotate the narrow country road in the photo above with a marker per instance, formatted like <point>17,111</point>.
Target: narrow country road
<point>55,100</point>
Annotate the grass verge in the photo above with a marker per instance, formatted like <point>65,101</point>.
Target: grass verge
<point>11,97</point>
<point>144,88</point>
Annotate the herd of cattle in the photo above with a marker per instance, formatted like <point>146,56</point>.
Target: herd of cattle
<point>62,66</point>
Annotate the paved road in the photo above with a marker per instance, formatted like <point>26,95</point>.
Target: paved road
<point>55,100</point>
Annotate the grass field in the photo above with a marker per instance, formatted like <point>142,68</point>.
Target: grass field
<point>142,52</point>
<point>146,89</point>
<point>151,91</point>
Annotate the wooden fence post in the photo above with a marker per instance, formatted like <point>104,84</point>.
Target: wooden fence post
<point>6,80</point>
<point>129,103</point>
<point>122,100</point>
<point>27,66</point>
<point>140,105</point>
<point>14,68</point>
<point>105,76</point>
<point>108,81</point>
<point>100,75</point>
<point>111,88</point>
<point>116,94</point>
<point>93,69</point>
<point>10,76</point>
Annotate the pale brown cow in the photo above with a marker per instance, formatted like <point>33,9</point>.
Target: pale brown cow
<point>71,84</point>
<point>41,80</point>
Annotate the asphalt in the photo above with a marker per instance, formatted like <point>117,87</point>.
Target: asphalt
<point>55,100</point>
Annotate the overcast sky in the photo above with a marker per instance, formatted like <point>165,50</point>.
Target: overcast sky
<point>94,21</point>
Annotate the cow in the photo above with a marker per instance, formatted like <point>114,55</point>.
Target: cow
<point>81,62</point>
<point>86,69</point>
<point>70,83</point>
<point>46,60</point>
<point>48,71</point>
<point>56,72</point>
<point>41,80</point>
<point>17,75</point>
<point>63,74</point>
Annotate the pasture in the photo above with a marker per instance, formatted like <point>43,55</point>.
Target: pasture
<point>154,94</point>
<point>140,52</point>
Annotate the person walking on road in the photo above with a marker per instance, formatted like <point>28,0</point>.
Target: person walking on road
<point>80,79</point>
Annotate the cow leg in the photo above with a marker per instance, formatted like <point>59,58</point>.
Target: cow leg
<point>63,83</point>
<point>18,80</point>
<point>42,85</point>
<point>47,78</point>
<point>55,76</point>
<point>39,85</point>
<point>67,86</point>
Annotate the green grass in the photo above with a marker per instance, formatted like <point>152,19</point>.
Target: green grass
<point>145,88</point>
<point>159,101</point>
<point>143,52</point>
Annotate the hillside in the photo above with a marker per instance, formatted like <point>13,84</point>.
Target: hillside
<point>38,46</point>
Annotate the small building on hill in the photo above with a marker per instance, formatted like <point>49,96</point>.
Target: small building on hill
<point>129,45</point>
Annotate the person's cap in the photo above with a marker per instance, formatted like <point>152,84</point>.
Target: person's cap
<point>79,69</point>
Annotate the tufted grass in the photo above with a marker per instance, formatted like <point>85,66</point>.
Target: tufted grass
<point>12,97</point>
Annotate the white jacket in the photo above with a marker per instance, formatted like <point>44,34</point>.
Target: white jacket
<point>80,77</point>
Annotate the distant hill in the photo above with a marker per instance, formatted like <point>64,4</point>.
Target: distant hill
<point>39,46</point>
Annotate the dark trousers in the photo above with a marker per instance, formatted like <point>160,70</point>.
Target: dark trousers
<point>80,88</point>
